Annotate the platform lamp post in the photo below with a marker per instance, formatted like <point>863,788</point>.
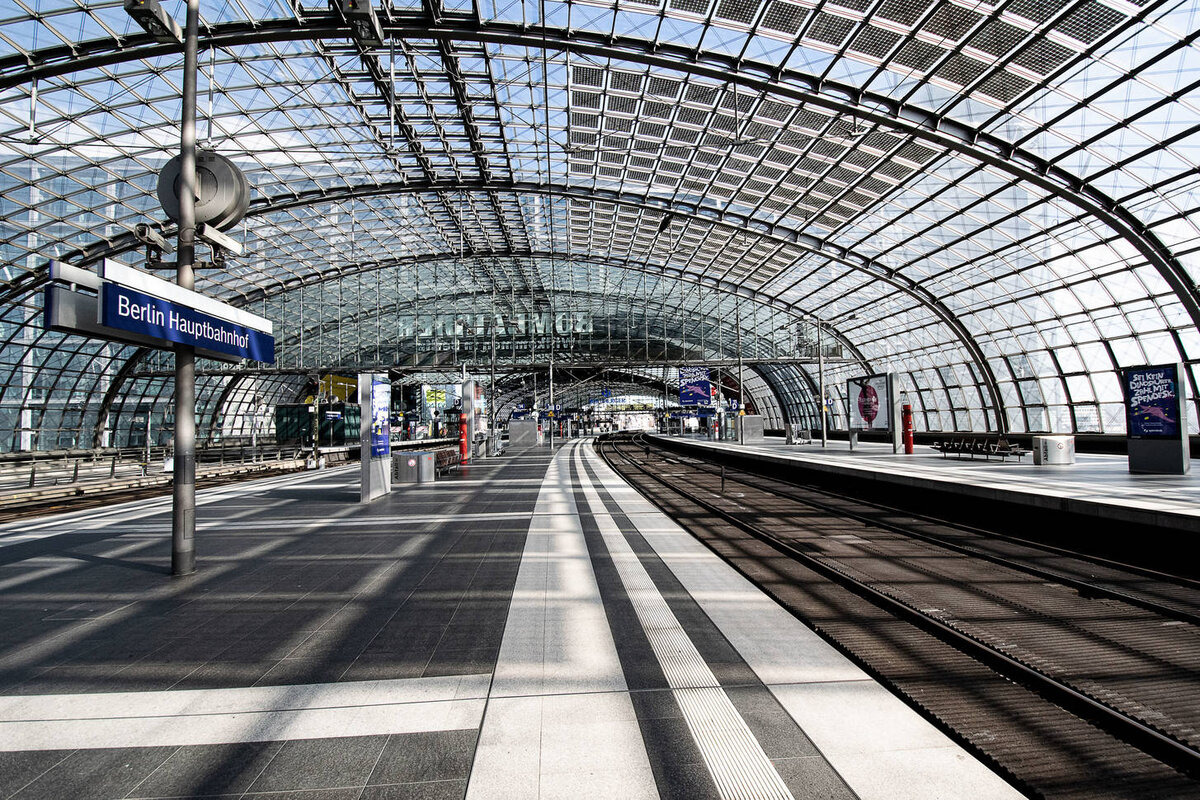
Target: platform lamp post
<point>159,25</point>
<point>821,380</point>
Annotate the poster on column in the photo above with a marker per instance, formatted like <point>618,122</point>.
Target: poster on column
<point>381,400</point>
<point>1152,401</point>
<point>694,386</point>
<point>870,403</point>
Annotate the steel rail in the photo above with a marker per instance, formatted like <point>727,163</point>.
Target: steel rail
<point>1082,586</point>
<point>1146,738</point>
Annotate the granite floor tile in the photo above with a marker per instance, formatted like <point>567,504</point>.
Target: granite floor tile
<point>208,770</point>
<point>19,769</point>
<point>424,757</point>
<point>436,790</point>
<point>96,774</point>
<point>321,764</point>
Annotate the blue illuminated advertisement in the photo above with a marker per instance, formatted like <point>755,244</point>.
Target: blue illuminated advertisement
<point>130,310</point>
<point>1152,402</point>
<point>381,432</point>
<point>694,387</point>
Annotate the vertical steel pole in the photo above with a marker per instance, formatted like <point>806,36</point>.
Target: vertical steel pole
<point>493,435</point>
<point>741,382</point>
<point>183,516</point>
<point>821,378</point>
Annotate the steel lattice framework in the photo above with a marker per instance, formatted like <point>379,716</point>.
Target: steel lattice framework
<point>996,199</point>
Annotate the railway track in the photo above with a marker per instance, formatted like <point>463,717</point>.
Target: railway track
<point>1074,678</point>
<point>40,507</point>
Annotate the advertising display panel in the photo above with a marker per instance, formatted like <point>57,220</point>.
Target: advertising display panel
<point>1156,417</point>
<point>870,402</point>
<point>381,400</point>
<point>375,447</point>
<point>695,389</point>
<point>1152,401</point>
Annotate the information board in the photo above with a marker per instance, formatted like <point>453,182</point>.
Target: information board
<point>374,434</point>
<point>381,400</point>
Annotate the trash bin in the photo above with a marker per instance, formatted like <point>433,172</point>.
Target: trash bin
<point>1053,450</point>
<point>413,466</point>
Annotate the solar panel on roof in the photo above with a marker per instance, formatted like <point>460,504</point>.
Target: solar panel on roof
<point>951,22</point>
<point>875,42</point>
<point>784,17</point>
<point>625,81</point>
<point>961,70</point>
<point>918,55</point>
<point>1004,86</point>
<point>1043,56</point>
<point>829,29</point>
<point>743,11</point>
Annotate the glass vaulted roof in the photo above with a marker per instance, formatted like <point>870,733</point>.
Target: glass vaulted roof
<point>996,199</point>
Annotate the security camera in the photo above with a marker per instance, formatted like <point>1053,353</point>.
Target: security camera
<point>217,239</point>
<point>151,238</point>
<point>155,21</point>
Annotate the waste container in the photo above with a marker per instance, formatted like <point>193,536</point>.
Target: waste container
<point>1053,449</point>
<point>413,466</point>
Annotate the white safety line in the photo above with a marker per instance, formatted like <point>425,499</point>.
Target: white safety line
<point>254,714</point>
<point>392,520</point>
<point>559,720</point>
<point>738,765</point>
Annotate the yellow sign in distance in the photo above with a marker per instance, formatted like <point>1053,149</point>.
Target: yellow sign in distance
<point>341,388</point>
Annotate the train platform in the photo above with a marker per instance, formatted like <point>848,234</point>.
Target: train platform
<point>1098,486</point>
<point>528,627</point>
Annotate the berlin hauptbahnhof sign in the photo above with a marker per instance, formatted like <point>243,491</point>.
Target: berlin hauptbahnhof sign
<point>134,311</point>
<point>139,308</point>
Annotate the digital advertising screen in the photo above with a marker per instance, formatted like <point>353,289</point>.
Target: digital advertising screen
<point>381,400</point>
<point>1152,401</point>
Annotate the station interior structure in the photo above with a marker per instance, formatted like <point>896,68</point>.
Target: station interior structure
<point>569,208</point>
<point>994,200</point>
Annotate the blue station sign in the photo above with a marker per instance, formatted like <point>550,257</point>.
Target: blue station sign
<point>130,310</point>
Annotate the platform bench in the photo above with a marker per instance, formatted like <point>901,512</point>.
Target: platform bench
<point>446,459</point>
<point>963,448</point>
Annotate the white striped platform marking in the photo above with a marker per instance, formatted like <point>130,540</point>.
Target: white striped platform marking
<point>734,758</point>
<point>252,714</point>
<point>559,721</point>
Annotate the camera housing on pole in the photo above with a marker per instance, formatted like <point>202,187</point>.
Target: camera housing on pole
<point>155,243</point>
<point>219,242</point>
<point>156,22</point>
<point>364,23</point>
